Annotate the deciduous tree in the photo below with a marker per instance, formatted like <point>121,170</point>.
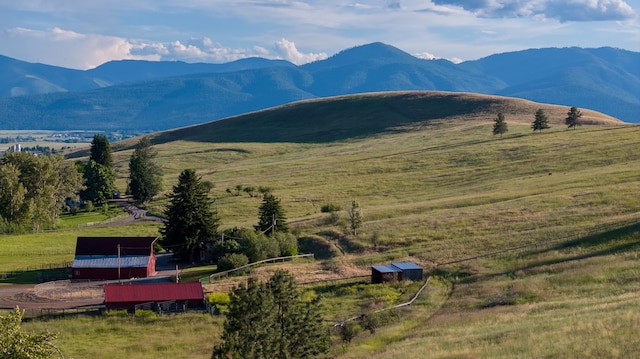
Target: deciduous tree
<point>355,217</point>
<point>34,189</point>
<point>190,223</point>
<point>16,344</point>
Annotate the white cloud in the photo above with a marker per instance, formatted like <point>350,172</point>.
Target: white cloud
<point>83,51</point>
<point>288,51</point>
<point>430,56</point>
<point>66,48</point>
<point>563,10</point>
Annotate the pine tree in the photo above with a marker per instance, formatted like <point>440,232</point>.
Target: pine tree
<point>271,211</point>
<point>99,174</point>
<point>101,150</point>
<point>541,121</point>
<point>269,320</point>
<point>190,223</point>
<point>145,179</point>
<point>573,117</point>
<point>500,126</point>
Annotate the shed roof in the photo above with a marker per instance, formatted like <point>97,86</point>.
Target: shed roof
<point>406,265</point>
<point>386,269</point>
<point>110,261</point>
<point>155,292</point>
<point>109,245</point>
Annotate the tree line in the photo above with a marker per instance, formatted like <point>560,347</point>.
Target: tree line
<point>540,122</point>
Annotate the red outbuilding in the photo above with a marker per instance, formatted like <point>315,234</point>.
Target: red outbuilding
<point>105,258</point>
<point>128,296</point>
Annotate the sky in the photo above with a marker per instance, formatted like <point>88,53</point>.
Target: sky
<point>83,34</point>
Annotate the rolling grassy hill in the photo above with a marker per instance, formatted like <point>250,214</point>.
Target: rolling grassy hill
<point>436,186</point>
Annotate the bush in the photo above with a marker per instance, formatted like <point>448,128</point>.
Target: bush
<point>218,298</point>
<point>288,243</point>
<point>330,208</point>
<point>232,261</point>
<point>146,314</point>
<point>116,313</point>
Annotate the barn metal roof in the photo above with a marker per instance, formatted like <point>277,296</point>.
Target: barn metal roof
<point>109,245</point>
<point>406,265</point>
<point>386,269</point>
<point>153,292</point>
<point>110,261</point>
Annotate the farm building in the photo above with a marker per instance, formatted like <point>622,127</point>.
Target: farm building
<point>381,274</point>
<point>113,258</point>
<point>156,296</point>
<point>410,270</point>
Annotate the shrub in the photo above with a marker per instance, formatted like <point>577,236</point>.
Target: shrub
<point>287,242</point>
<point>116,313</point>
<point>330,208</point>
<point>232,261</point>
<point>218,298</point>
<point>146,314</point>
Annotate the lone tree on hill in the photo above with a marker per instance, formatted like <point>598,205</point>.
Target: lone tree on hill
<point>573,118</point>
<point>541,121</point>
<point>99,174</point>
<point>271,216</point>
<point>499,126</point>
<point>355,217</point>
<point>190,222</point>
<point>145,179</point>
<point>270,320</point>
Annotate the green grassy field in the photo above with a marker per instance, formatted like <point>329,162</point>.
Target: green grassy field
<point>435,189</point>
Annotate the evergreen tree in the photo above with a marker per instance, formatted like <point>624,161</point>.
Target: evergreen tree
<point>355,217</point>
<point>99,183</point>
<point>99,174</point>
<point>190,222</point>
<point>271,211</point>
<point>101,150</point>
<point>145,179</point>
<point>541,121</point>
<point>269,320</point>
<point>573,117</point>
<point>499,126</point>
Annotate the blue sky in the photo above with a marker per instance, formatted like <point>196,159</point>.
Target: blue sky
<point>83,34</point>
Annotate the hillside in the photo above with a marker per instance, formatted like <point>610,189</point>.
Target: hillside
<point>435,186</point>
<point>152,96</point>
<point>344,117</point>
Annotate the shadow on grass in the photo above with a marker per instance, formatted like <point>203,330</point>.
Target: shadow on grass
<point>608,242</point>
<point>34,276</point>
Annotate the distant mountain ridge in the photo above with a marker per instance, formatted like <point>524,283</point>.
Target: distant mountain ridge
<point>143,95</point>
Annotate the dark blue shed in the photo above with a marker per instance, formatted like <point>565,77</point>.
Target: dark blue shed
<point>380,274</point>
<point>410,270</point>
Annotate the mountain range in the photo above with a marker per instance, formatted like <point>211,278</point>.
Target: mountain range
<point>152,96</point>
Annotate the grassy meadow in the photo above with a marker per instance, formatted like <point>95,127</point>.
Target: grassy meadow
<point>434,186</point>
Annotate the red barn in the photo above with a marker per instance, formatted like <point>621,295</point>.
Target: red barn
<point>114,258</point>
<point>127,296</point>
